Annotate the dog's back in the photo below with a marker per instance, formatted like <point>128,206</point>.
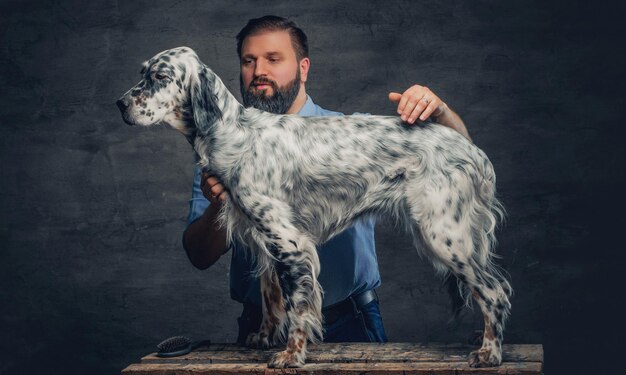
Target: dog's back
<point>360,164</point>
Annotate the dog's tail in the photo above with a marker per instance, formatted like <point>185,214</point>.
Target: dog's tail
<point>488,214</point>
<point>489,211</point>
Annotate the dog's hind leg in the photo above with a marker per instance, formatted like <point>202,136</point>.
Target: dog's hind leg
<point>491,293</point>
<point>450,222</point>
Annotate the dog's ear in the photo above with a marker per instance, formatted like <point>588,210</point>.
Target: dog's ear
<point>204,101</point>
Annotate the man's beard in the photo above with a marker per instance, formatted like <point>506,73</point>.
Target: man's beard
<point>278,103</point>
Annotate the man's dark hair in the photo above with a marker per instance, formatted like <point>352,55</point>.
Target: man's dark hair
<point>274,23</point>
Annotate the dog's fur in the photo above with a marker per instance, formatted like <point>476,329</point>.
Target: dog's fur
<point>295,182</point>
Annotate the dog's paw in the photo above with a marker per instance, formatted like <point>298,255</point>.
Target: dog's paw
<point>286,359</point>
<point>258,341</point>
<point>484,357</point>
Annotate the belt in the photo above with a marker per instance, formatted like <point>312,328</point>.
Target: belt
<point>350,305</point>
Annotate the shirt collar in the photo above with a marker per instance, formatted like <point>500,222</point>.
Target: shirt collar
<point>308,109</point>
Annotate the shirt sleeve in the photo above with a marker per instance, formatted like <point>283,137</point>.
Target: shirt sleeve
<point>198,203</point>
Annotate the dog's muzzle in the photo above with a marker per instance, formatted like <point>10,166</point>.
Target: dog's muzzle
<point>123,105</point>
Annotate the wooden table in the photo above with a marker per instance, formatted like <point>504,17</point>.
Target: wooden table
<point>344,358</point>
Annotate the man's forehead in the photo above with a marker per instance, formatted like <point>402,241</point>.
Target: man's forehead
<point>268,41</point>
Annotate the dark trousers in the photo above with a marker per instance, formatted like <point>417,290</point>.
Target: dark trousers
<point>350,323</point>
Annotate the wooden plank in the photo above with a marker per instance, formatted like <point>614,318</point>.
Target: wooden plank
<point>354,352</point>
<point>345,358</point>
<point>510,353</point>
<point>451,368</point>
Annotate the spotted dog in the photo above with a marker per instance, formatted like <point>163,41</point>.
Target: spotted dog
<point>295,182</point>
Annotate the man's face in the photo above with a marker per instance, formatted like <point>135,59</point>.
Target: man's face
<point>270,71</point>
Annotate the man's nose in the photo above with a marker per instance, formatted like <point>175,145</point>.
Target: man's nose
<point>260,68</point>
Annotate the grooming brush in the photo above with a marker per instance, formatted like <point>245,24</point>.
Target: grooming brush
<point>178,345</point>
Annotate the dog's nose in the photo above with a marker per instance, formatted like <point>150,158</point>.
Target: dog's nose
<point>122,104</point>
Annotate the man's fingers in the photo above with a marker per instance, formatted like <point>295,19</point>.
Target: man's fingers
<point>415,107</point>
<point>414,96</point>
<point>217,189</point>
<point>212,188</point>
<point>417,102</point>
<point>211,181</point>
<point>395,97</point>
<point>430,109</point>
<point>402,105</point>
<point>417,111</point>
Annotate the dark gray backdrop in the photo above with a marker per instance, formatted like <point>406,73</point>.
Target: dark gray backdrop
<point>92,271</point>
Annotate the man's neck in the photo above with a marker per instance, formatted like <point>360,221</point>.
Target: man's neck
<point>299,102</point>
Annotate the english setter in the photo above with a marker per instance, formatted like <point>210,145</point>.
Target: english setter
<point>295,182</point>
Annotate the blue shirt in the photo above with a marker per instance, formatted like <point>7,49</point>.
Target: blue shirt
<point>348,260</point>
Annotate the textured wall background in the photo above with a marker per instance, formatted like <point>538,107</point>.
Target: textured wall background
<point>92,272</point>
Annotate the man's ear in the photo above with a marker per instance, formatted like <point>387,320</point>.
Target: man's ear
<point>204,102</point>
<point>304,66</point>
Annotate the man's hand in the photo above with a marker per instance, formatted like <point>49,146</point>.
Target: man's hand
<point>204,240</point>
<point>212,189</point>
<point>420,102</point>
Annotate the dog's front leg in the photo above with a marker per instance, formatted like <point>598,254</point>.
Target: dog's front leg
<point>297,268</point>
<point>292,255</point>
<point>274,315</point>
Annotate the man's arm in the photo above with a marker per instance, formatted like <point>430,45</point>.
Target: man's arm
<point>419,102</point>
<point>452,120</point>
<point>203,240</point>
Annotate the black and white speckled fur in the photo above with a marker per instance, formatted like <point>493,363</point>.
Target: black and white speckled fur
<point>295,182</point>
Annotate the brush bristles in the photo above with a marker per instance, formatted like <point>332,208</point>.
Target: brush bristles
<point>173,344</point>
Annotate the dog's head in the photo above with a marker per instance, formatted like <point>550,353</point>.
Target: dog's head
<point>173,90</point>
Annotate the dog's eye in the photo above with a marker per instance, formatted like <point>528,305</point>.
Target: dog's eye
<point>160,76</point>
